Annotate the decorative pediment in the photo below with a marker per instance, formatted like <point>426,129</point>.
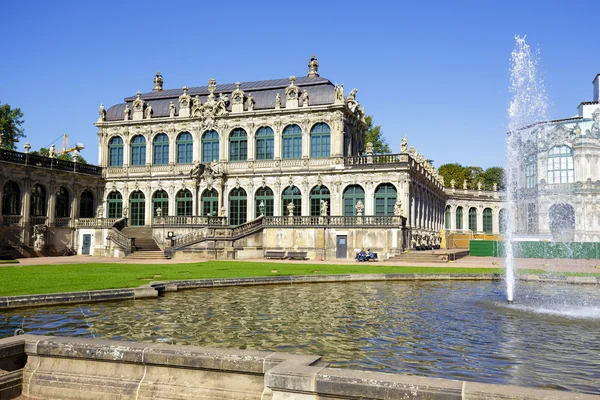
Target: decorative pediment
<point>292,91</point>
<point>184,103</point>
<point>237,96</point>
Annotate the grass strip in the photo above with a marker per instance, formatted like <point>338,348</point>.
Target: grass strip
<point>40,279</point>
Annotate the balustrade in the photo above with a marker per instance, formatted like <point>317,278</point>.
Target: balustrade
<point>38,220</point>
<point>172,220</point>
<point>11,220</point>
<point>95,222</point>
<point>353,221</point>
<point>62,222</point>
<point>122,241</point>
<point>47,162</point>
<point>379,159</point>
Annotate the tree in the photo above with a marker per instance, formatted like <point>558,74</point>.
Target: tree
<point>453,171</point>
<point>11,121</point>
<point>374,134</point>
<point>44,152</point>
<point>494,175</point>
<point>474,175</point>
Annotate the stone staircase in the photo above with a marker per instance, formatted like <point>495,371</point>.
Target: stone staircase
<point>145,245</point>
<point>429,256</point>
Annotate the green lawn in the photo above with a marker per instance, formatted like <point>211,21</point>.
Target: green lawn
<point>40,279</point>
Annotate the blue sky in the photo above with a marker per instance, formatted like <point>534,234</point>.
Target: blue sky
<point>436,72</point>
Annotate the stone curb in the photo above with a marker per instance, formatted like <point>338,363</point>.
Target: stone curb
<point>155,289</point>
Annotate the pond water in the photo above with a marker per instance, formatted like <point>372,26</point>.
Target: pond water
<point>455,330</point>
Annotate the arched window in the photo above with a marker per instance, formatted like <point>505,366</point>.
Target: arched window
<point>448,218</point>
<point>473,219</point>
<point>292,142</point>
<point>502,220</point>
<point>115,205</point>
<point>115,152</point>
<point>86,205</point>
<point>210,203</point>
<point>160,199</point>
<point>487,220</point>
<point>560,165</point>
<point>317,194</point>
<point>38,201</point>
<point>265,197</point>
<point>62,203</point>
<point>265,140</point>
<point>238,145</point>
<point>138,150</point>
<point>161,149</point>
<point>237,206</point>
<point>185,145</point>
<point>183,201</point>
<point>320,140</point>
<point>137,208</point>
<point>11,199</point>
<point>210,146</point>
<point>385,199</point>
<point>291,194</point>
<point>352,194</point>
<point>530,171</point>
<point>459,218</point>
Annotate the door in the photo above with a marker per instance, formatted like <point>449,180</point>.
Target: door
<point>87,243</point>
<point>137,209</point>
<point>341,246</point>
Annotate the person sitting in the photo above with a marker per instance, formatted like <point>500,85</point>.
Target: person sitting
<point>362,256</point>
<point>370,255</point>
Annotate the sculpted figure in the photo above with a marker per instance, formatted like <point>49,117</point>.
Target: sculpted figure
<point>465,184</point>
<point>39,234</point>
<point>290,208</point>
<point>352,95</point>
<point>404,145</point>
<point>278,101</point>
<point>125,211</point>
<point>100,211</point>
<point>479,185</point>
<point>398,208</point>
<point>148,111</point>
<point>250,103</point>
<point>324,207</point>
<point>359,207</point>
<point>52,152</point>
<point>171,109</point>
<point>305,98</point>
<point>102,112</point>
<point>595,131</point>
<point>126,113</point>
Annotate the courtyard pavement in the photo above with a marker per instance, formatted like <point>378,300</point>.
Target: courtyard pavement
<point>550,265</point>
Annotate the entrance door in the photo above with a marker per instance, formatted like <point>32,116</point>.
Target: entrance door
<point>341,246</point>
<point>137,209</point>
<point>87,242</point>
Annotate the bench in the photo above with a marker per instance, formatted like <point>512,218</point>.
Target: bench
<point>275,254</point>
<point>374,259</point>
<point>296,255</point>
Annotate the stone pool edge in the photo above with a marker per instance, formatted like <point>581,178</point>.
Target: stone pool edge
<point>159,288</point>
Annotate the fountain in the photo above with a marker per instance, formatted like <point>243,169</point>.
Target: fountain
<point>528,106</point>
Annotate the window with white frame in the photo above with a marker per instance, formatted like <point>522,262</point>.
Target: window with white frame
<point>531,172</point>
<point>560,165</point>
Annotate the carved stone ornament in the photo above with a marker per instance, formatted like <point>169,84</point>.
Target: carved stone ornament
<point>250,103</point>
<point>359,207</point>
<point>339,94</point>
<point>126,112</point>
<point>138,103</point>
<point>158,82</point>
<point>263,182</point>
<point>184,99</point>
<point>404,145</point>
<point>237,183</point>
<point>351,102</point>
<point>305,98</point>
<point>292,91</point>
<point>39,237</point>
<point>324,207</point>
<point>291,181</point>
<point>277,102</point>
<point>313,67</point>
<point>171,109</point>
<point>452,183</point>
<point>237,96</point>
<point>319,180</point>
<point>465,184</point>
<point>102,113</point>
<point>148,111</point>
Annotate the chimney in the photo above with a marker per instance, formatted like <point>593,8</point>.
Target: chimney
<point>596,83</point>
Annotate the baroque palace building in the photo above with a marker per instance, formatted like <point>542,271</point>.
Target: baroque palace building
<point>255,166</point>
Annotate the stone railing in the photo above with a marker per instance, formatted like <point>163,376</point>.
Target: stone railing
<point>191,238</point>
<point>95,222</point>
<point>191,221</point>
<point>41,220</point>
<point>353,221</point>
<point>11,220</point>
<point>122,241</point>
<point>380,159</point>
<point>47,162</point>
<point>62,222</point>
<point>227,233</point>
<point>248,228</point>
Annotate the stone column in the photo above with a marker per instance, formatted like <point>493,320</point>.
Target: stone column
<point>51,210</point>
<point>406,200</point>
<point>148,152</point>
<point>75,207</point>
<point>277,143</point>
<point>411,204</point>
<point>148,214</point>
<point>479,219</point>
<point>26,206</point>
<point>452,218</point>
<point>126,153</point>
<point>466,217</point>
<point>495,221</point>
<point>369,206</point>
<point>223,148</point>
<point>305,143</point>
<point>221,190</point>
<point>251,145</point>
<point>277,201</point>
<point>172,150</point>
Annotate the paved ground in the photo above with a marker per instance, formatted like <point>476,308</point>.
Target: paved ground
<point>466,262</point>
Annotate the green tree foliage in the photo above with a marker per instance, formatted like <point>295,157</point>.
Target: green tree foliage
<point>11,121</point>
<point>64,156</point>
<point>473,175</point>
<point>374,134</point>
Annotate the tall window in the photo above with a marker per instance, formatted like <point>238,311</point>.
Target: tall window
<point>238,145</point>
<point>320,140</point>
<point>62,203</point>
<point>448,217</point>
<point>265,140</point>
<point>137,208</point>
<point>161,149</point>
<point>115,205</point>
<point>183,202</point>
<point>138,150</point>
<point>160,199</point>
<point>352,194</point>
<point>115,152</point>
<point>185,145</point>
<point>210,146</point>
<point>473,219</point>
<point>291,194</point>
<point>11,199</point>
<point>487,220</point>
<point>560,165</point>
<point>459,218</point>
<point>531,171</point>
<point>264,196</point>
<point>210,203</point>
<point>385,199</point>
<point>237,206</point>
<point>318,194</point>
<point>292,142</point>
<point>38,201</point>
<point>86,205</point>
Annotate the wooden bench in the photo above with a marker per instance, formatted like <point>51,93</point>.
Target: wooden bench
<point>275,254</point>
<point>374,259</point>
<point>296,255</point>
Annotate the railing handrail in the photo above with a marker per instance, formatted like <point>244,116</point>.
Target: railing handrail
<point>17,157</point>
<point>211,233</point>
<point>190,221</point>
<point>336,220</point>
<point>120,239</point>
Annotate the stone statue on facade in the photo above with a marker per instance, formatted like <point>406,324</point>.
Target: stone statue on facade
<point>126,112</point>
<point>250,103</point>
<point>305,98</point>
<point>277,101</point>
<point>171,109</point>
<point>52,152</point>
<point>369,149</point>
<point>352,95</point>
<point>159,212</point>
<point>39,237</point>
<point>125,209</point>
<point>261,207</point>
<point>221,107</point>
<point>292,91</point>
<point>102,113</point>
<point>577,130</point>
<point>452,183</point>
<point>465,184</point>
<point>595,131</point>
<point>479,185</point>
<point>100,211</point>
<point>313,66</point>
<point>398,208</point>
<point>404,145</point>
<point>324,207</point>
<point>359,207</point>
<point>339,92</point>
<point>495,187</point>
<point>148,111</point>
<point>290,208</point>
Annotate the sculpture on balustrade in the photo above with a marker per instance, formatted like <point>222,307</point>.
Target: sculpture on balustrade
<point>290,208</point>
<point>148,111</point>
<point>479,184</point>
<point>250,103</point>
<point>305,98</point>
<point>102,113</point>
<point>324,207</point>
<point>277,101</point>
<point>100,211</point>
<point>398,208</point>
<point>171,109</point>
<point>39,237</point>
<point>159,212</point>
<point>465,184</point>
<point>359,208</point>
<point>125,209</point>
<point>452,183</point>
<point>404,145</point>
<point>369,149</point>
